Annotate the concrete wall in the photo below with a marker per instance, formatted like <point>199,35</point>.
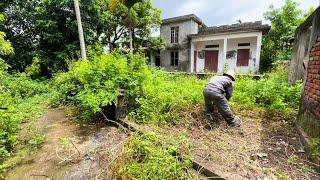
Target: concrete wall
<point>309,116</point>
<point>309,113</point>
<point>305,37</point>
<point>185,28</point>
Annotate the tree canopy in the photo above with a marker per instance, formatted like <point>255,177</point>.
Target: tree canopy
<point>45,32</point>
<point>277,43</point>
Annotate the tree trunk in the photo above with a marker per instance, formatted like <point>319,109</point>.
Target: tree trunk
<point>80,30</point>
<point>131,40</point>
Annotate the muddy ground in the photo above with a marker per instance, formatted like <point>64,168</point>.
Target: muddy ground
<point>71,151</point>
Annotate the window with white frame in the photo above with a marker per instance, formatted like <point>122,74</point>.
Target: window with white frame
<point>175,34</point>
<point>174,58</point>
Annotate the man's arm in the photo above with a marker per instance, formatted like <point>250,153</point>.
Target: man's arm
<point>229,92</point>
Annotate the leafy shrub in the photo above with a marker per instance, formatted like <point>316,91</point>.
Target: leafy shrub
<point>19,97</point>
<point>270,92</point>
<point>146,157</point>
<point>93,85</point>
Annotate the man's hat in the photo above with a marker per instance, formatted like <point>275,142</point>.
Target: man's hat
<point>231,74</point>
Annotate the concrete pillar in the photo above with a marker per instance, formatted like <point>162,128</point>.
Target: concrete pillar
<point>191,56</point>
<point>258,52</point>
<point>225,46</point>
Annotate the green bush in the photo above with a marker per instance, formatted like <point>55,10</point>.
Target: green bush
<point>93,85</point>
<point>270,92</point>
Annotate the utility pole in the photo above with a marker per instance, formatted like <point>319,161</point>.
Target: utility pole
<point>80,30</point>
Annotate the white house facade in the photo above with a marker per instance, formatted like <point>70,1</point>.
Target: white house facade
<point>193,47</point>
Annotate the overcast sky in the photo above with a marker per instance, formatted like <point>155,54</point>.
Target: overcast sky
<point>218,12</point>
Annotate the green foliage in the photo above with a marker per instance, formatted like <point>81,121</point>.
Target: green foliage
<point>158,97</point>
<point>20,97</point>
<point>93,85</point>
<point>270,92</point>
<point>284,21</point>
<point>5,46</point>
<point>146,157</point>
<point>47,31</point>
<point>315,146</point>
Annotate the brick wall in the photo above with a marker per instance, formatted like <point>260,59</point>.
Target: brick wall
<point>310,106</point>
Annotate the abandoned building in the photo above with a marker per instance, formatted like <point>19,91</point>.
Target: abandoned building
<point>192,47</point>
<point>305,65</point>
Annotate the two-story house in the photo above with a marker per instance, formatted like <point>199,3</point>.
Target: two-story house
<point>191,46</point>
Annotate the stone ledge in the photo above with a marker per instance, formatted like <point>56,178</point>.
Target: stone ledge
<point>304,138</point>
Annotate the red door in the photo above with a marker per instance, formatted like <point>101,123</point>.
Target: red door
<point>243,57</point>
<point>211,60</point>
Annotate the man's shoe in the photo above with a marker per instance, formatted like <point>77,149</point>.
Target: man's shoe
<point>235,123</point>
<point>209,118</point>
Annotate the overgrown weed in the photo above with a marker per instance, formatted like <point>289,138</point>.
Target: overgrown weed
<point>148,157</point>
<point>22,100</point>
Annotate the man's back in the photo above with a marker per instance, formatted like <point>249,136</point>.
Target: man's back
<point>219,83</point>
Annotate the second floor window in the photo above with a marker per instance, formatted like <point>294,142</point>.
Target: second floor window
<point>174,58</point>
<point>175,34</point>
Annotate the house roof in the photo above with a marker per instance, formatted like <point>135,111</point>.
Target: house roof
<point>183,18</point>
<point>247,26</point>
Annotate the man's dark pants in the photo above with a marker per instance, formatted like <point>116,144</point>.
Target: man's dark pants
<point>213,99</point>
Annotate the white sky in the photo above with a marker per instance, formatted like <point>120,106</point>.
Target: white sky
<point>218,12</point>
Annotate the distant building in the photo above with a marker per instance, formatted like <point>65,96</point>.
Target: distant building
<point>193,47</point>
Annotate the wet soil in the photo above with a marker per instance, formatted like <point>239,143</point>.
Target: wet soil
<point>71,151</point>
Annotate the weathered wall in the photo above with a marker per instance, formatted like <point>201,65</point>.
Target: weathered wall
<point>305,37</point>
<point>309,115</point>
<point>185,28</point>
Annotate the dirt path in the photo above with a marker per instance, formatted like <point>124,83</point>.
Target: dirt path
<point>260,149</point>
<point>71,151</point>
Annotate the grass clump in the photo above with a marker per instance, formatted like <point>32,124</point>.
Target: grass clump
<point>146,157</point>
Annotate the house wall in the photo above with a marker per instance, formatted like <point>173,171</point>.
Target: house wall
<point>200,46</point>
<point>231,63</point>
<point>232,45</point>
<point>185,28</point>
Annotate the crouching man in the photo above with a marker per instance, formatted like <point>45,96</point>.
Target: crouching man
<point>216,93</point>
